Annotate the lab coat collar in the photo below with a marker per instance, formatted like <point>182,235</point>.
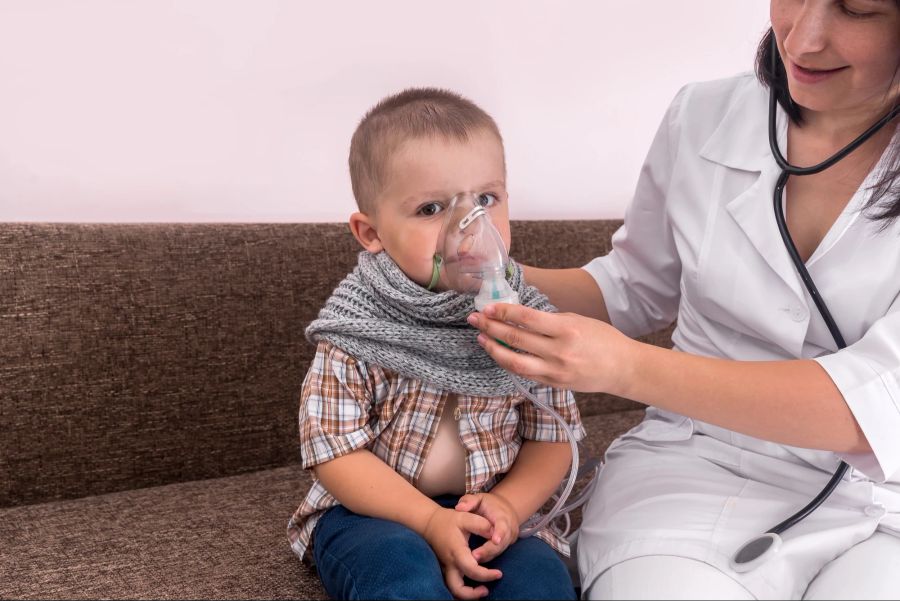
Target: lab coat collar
<point>741,140</point>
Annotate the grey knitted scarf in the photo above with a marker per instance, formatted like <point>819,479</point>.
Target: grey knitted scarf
<point>378,315</point>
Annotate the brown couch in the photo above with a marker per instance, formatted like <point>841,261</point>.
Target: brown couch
<point>149,377</point>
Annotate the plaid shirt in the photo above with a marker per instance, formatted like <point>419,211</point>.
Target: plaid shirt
<point>347,405</point>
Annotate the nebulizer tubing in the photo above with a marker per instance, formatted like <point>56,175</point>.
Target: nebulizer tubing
<point>760,548</point>
<point>559,509</point>
<point>472,255</point>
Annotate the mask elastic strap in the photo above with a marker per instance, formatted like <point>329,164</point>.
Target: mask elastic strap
<point>471,216</point>
<point>436,263</point>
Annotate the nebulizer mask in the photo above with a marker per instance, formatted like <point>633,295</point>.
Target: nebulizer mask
<point>471,255</point>
<point>471,258</point>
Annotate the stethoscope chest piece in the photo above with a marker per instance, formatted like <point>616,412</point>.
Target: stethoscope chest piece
<point>756,552</point>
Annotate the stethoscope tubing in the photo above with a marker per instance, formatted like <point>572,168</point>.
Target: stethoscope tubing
<point>832,327</point>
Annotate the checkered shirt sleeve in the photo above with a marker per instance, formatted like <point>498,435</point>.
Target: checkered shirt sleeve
<point>335,407</point>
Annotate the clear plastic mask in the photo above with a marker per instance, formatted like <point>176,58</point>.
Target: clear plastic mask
<point>470,253</point>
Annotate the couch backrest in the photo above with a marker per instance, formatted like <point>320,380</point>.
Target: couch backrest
<point>138,355</point>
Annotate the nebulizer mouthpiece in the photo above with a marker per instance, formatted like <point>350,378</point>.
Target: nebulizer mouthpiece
<point>471,255</point>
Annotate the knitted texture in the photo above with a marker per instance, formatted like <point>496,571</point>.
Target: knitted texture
<point>380,316</point>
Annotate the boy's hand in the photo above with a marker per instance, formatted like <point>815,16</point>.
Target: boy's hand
<point>448,534</point>
<point>504,523</point>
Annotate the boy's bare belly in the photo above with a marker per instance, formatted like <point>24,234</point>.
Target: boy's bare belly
<point>444,471</point>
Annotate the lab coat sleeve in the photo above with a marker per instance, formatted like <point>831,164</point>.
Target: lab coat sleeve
<point>640,277</point>
<point>868,375</point>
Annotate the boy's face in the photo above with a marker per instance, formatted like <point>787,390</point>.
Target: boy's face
<point>424,175</point>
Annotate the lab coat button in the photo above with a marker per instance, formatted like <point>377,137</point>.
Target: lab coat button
<point>875,511</point>
<point>798,314</point>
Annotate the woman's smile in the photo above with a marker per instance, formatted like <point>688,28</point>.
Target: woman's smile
<point>810,76</point>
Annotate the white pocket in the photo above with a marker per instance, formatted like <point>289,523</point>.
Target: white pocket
<point>661,426</point>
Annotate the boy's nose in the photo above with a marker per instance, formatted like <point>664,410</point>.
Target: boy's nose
<point>466,245</point>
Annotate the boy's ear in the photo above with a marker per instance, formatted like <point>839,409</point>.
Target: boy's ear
<point>364,231</point>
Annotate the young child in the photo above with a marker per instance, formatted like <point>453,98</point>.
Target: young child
<point>426,459</point>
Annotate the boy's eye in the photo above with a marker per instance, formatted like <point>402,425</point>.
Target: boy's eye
<point>487,199</point>
<point>431,209</point>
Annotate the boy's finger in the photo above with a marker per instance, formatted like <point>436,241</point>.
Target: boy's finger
<point>469,567</point>
<point>495,516</point>
<point>501,531</point>
<point>468,503</point>
<point>486,552</point>
<point>477,524</point>
<point>458,588</point>
<point>498,519</point>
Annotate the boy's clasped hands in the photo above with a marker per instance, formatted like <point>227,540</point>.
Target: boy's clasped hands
<point>486,515</point>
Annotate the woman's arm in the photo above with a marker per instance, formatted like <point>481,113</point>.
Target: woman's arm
<point>790,402</point>
<point>570,290</point>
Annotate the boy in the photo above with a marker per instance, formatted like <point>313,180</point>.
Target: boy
<point>426,460</point>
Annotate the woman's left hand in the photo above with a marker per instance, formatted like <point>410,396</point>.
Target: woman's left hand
<point>564,350</point>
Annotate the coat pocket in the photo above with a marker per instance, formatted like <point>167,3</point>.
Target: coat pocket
<point>661,426</point>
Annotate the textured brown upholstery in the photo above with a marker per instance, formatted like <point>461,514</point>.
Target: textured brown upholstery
<point>138,356</point>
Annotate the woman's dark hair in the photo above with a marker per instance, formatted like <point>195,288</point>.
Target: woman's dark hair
<point>885,201</point>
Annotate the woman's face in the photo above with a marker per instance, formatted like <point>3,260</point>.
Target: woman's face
<point>839,54</point>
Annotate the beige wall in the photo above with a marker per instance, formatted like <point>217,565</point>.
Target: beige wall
<point>215,110</point>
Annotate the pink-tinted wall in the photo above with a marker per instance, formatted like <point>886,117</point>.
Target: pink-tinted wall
<point>219,110</point>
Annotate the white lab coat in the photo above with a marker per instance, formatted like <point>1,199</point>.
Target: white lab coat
<point>700,243</point>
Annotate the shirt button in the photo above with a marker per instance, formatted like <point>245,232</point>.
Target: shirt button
<point>875,511</point>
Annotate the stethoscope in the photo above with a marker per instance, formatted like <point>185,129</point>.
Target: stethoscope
<point>761,548</point>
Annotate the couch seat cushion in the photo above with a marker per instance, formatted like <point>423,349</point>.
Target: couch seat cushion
<point>218,538</point>
<point>221,538</point>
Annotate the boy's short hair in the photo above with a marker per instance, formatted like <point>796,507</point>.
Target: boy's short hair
<point>411,114</point>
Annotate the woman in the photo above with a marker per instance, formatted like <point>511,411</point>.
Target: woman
<point>756,405</point>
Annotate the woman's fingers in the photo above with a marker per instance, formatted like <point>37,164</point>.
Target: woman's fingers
<point>528,366</point>
<point>536,321</point>
<point>512,336</point>
<point>560,349</point>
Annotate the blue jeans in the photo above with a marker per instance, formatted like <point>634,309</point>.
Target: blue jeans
<point>359,557</point>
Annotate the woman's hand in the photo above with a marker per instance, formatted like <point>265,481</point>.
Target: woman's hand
<point>564,350</point>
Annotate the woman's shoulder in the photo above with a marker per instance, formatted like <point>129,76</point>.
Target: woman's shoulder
<point>723,91</point>
<point>719,95</point>
<point>700,107</point>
